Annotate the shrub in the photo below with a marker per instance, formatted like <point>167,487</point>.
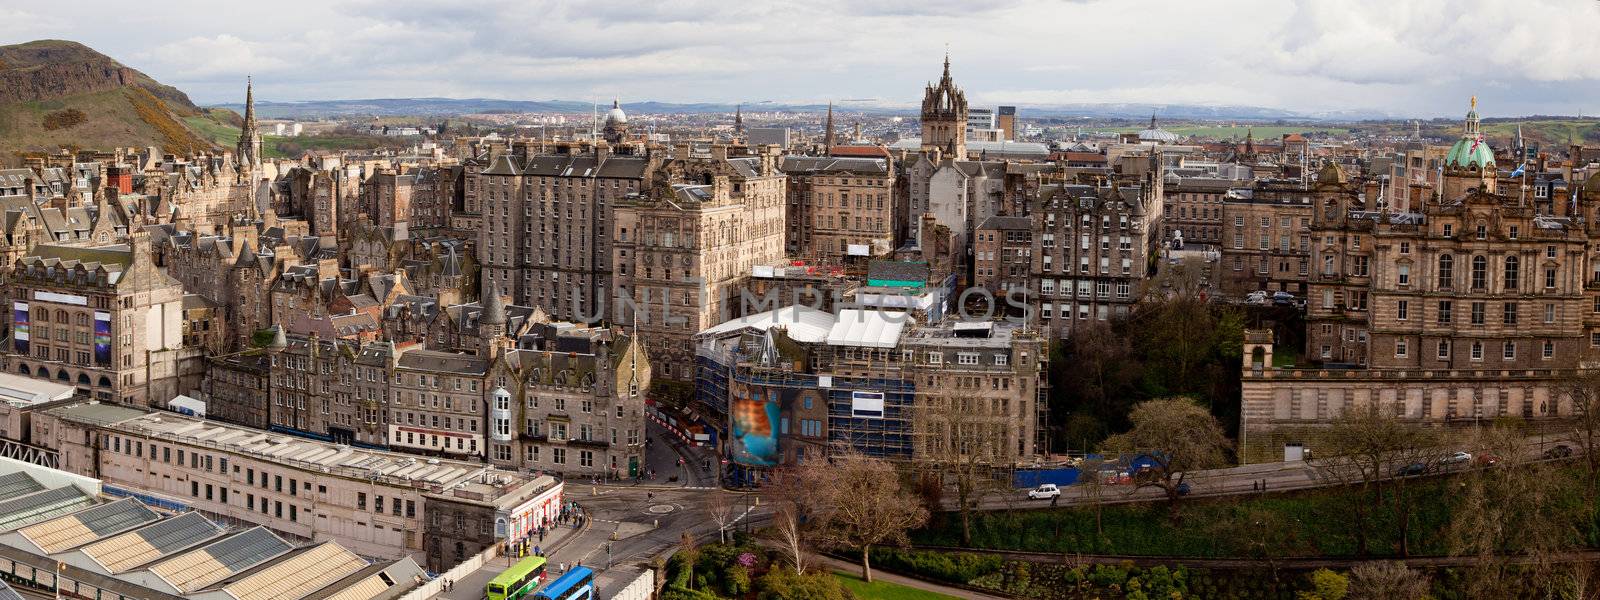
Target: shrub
<point>64,119</point>
<point>953,567</point>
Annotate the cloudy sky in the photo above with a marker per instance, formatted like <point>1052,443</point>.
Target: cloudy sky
<point>1408,57</point>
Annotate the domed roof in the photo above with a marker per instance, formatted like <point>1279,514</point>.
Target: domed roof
<point>1157,134</point>
<point>1331,174</point>
<point>1470,152</point>
<point>1592,184</point>
<point>616,116</point>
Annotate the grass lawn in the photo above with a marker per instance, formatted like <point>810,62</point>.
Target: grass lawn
<point>885,591</point>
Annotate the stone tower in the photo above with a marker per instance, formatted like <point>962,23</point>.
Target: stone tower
<point>248,154</point>
<point>944,117</point>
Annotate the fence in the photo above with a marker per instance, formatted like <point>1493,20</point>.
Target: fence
<point>431,588</point>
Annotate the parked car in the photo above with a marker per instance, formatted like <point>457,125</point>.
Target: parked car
<point>1558,451</point>
<point>1256,298</point>
<point>1458,458</point>
<point>1183,489</point>
<point>1045,491</point>
<point>1488,460</point>
<point>1281,298</point>
<point>1415,468</point>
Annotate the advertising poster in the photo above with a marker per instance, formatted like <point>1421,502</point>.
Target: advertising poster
<point>754,412</point>
<point>19,327</point>
<point>102,338</point>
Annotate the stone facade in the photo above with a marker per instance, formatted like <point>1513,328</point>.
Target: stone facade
<point>1266,241</point>
<point>1094,250</point>
<point>835,203</point>
<point>683,249</point>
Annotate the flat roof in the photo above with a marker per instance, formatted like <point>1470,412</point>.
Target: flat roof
<point>26,391</point>
<point>392,468</point>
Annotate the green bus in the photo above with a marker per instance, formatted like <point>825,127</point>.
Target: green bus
<point>518,581</point>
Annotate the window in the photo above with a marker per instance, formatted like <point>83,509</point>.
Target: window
<point>1477,313</point>
<point>1477,351</point>
<point>1445,307</point>
<point>1549,251</point>
<point>1480,269</point>
<point>1401,310</point>
<point>1510,313</point>
<point>1444,350</point>
<point>1449,230</point>
<point>361,500</point>
<point>1513,270</point>
<point>1549,313</point>
<point>1549,349</point>
<point>1482,232</point>
<point>1404,274</point>
<point>1405,247</point>
<point>1549,278</point>
<point>1446,270</point>
<point>1510,351</point>
<point>935,358</point>
<point>1400,348</point>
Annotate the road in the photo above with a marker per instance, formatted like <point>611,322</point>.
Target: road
<point>630,523</point>
<point>1277,477</point>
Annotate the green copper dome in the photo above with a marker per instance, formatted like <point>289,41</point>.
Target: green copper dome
<point>1470,152</point>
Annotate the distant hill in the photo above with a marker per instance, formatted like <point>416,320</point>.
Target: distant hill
<point>59,94</point>
<point>312,109</point>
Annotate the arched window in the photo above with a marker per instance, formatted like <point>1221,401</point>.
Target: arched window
<point>61,317</point>
<point>23,369</point>
<point>105,382</point>
<point>1447,271</point>
<point>44,373</point>
<point>1513,271</point>
<point>83,379</point>
<point>62,375</point>
<point>41,315</point>
<point>1480,272</point>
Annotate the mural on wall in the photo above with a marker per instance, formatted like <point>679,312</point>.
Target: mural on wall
<point>754,413</point>
<point>19,328</point>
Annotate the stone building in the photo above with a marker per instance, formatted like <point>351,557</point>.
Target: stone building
<point>1003,255</point>
<point>546,221</point>
<point>944,117</point>
<point>569,399</point>
<point>237,388</point>
<point>683,248</point>
<point>379,504</point>
<point>1095,250</point>
<point>105,319</point>
<point>1194,208</point>
<point>1266,241</point>
<point>840,207</point>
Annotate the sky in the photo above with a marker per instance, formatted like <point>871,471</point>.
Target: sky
<point>1401,58</point>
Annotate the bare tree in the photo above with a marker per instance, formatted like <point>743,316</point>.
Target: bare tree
<point>720,508</point>
<point>690,551</point>
<point>1511,519</point>
<point>1366,446</point>
<point>1584,389</point>
<point>1386,580</point>
<point>788,530</point>
<point>962,438</point>
<point>1177,436</point>
<point>1094,488</point>
<point>859,502</point>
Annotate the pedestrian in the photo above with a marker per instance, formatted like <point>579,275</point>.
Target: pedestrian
<point>1054,500</point>
<point>563,567</point>
<point>1255,486</point>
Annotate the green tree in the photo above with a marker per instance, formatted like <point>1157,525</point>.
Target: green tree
<point>784,584</point>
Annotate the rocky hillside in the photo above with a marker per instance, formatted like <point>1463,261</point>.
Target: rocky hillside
<point>58,94</point>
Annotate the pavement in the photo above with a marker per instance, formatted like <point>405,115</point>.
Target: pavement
<point>629,523</point>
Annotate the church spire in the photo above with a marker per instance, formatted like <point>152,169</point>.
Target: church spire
<point>248,154</point>
<point>946,65</point>
<point>738,119</point>
<point>827,139</point>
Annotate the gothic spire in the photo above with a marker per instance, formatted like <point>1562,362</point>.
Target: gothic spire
<point>248,154</point>
<point>738,119</point>
<point>828,136</point>
<point>946,65</point>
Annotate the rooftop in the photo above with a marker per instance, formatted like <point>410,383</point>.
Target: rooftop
<point>437,475</point>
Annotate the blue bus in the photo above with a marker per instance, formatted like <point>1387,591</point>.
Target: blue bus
<point>576,584</point>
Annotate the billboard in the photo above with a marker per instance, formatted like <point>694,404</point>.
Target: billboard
<point>102,338</point>
<point>19,326</point>
<point>754,415</point>
<point>866,404</point>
